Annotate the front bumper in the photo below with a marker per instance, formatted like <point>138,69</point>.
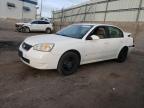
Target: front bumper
<point>38,59</point>
<point>18,27</point>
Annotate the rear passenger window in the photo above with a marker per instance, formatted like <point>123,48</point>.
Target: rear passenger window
<point>115,32</point>
<point>40,22</point>
<point>43,22</point>
<point>47,23</point>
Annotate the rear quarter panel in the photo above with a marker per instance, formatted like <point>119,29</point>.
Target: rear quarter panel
<point>129,41</point>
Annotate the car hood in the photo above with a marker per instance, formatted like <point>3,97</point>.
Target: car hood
<point>48,38</point>
<point>22,23</point>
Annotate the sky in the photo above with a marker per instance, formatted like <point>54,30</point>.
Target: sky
<point>50,5</point>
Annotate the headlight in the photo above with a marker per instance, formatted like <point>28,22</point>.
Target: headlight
<point>46,47</point>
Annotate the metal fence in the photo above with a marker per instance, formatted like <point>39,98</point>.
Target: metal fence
<point>109,10</point>
<point>130,11</point>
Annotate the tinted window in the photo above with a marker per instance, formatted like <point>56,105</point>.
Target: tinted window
<point>40,22</point>
<point>100,31</point>
<point>46,22</point>
<point>34,22</point>
<point>114,32</point>
<point>43,22</point>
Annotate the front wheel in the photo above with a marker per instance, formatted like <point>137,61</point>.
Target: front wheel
<point>68,63</point>
<point>122,55</point>
<point>25,29</point>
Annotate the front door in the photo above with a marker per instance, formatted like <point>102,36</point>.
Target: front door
<point>34,26</point>
<point>106,47</point>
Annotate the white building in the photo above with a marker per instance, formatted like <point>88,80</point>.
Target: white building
<point>18,9</point>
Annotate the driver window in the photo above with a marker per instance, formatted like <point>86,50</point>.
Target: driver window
<point>98,31</point>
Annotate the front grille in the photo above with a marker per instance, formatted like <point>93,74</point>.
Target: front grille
<point>26,60</point>
<point>18,26</point>
<point>26,46</point>
<point>20,53</point>
<point>21,56</point>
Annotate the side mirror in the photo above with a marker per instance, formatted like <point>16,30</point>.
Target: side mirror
<point>94,37</point>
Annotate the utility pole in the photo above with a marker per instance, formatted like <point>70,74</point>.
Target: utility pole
<point>41,8</point>
<point>62,17</point>
<point>22,9</point>
<point>84,18</point>
<point>139,9</point>
<point>106,11</point>
<point>137,18</point>
<point>36,12</point>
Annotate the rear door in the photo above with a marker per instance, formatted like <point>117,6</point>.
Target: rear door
<point>43,25</point>
<point>46,25</point>
<point>115,40</point>
<point>38,26</point>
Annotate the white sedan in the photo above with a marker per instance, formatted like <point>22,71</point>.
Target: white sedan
<point>76,45</point>
<point>36,25</point>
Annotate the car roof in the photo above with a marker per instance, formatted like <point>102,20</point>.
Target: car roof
<point>95,24</point>
<point>39,20</point>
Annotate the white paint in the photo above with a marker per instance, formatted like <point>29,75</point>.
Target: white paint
<point>90,50</point>
<point>16,13</point>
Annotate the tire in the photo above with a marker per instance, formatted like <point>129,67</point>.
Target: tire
<point>68,63</point>
<point>122,55</point>
<point>25,29</point>
<point>48,31</point>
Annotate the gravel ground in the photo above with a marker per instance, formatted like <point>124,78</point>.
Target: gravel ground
<point>99,85</point>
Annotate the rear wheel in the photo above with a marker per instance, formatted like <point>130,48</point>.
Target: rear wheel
<point>48,30</point>
<point>68,63</point>
<point>122,55</point>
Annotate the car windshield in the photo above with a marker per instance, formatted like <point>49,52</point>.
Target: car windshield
<point>75,31</point>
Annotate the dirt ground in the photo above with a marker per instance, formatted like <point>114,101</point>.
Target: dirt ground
<point>99,85</point>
